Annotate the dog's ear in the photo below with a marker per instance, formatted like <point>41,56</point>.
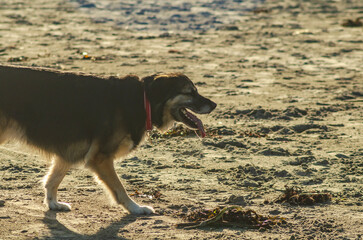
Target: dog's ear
<point>147,83</point>
<point>160,87</point>
<point>148,79</point>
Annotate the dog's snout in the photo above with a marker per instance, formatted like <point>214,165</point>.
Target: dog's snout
<point>207,107</point>
<point>213,105</point>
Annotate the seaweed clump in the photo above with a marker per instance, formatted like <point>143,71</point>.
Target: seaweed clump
<point>233,215</point>
<point>296,196</point>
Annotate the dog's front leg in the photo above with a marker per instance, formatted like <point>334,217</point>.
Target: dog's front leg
<point>52,180</point>
<point>104,169</point>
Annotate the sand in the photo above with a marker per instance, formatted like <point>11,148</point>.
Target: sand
<point>288,81</point>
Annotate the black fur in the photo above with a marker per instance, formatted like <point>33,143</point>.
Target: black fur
<point>58,109</point>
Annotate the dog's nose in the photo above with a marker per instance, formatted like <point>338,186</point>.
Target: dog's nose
<point>213,105</point>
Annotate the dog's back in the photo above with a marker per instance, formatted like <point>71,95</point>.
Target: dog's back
<point>54,109</point>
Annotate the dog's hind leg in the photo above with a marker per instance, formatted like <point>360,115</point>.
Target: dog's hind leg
<point>52,180</point>
<point>104,169</point>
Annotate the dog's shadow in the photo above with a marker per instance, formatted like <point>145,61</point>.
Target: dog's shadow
<point>59,230</point>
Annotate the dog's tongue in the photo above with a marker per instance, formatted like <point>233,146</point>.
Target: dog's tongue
<point>198,122</point>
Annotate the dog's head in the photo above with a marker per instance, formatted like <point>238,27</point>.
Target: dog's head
<point>172,98</point>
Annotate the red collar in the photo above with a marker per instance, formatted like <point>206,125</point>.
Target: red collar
<point>149,125</point>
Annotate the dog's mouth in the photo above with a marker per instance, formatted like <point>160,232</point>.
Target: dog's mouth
<point>191,121</point>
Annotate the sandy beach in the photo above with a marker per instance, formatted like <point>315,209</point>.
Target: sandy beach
<point>288,80</point>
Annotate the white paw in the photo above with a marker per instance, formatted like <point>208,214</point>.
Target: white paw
<point>59,206</point>
<point>141,210</point>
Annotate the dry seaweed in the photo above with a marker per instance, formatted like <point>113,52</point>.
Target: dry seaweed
<point>18,59</point>
<point>177,131</point>
<point>261,10</point>
<point>152,195</point>
<point>296,196</point>
<point>233,215</point>
<point>174,51</point>
<point>352,23</point>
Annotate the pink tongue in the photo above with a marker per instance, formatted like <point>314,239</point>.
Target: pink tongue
<point>198,122</point>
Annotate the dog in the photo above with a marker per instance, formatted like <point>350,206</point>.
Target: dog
<point>80,119</point>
